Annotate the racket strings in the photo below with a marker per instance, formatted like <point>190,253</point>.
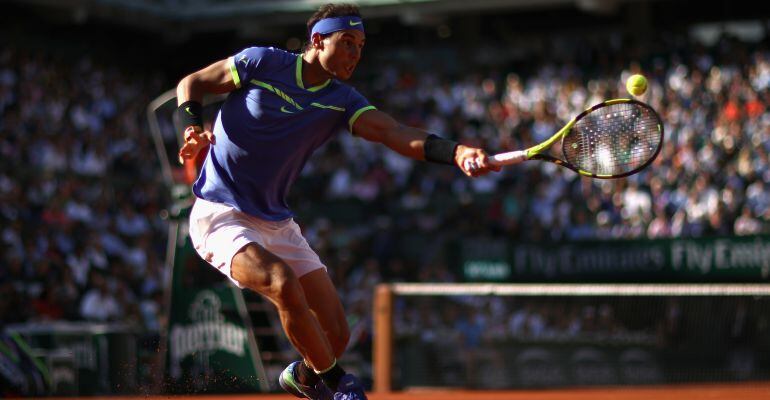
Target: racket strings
<point>613,139</point>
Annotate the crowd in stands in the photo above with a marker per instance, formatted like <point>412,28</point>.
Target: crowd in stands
<point>81,192</point>
<point>80,231</point>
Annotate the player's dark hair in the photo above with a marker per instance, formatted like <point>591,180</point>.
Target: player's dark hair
<point>330,11</point>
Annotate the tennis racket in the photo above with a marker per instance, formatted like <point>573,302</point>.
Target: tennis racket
<point>612,139</point>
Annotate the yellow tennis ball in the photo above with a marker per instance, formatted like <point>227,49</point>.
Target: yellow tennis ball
<point>636,85</point>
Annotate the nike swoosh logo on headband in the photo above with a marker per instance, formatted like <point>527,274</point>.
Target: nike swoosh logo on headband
<point>355,23</point>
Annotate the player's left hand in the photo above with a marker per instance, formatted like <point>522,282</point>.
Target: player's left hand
<point>473,162</point>
<point>195,140</point>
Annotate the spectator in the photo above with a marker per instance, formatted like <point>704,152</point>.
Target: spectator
<point>99,304</point>
<point>746,223</point>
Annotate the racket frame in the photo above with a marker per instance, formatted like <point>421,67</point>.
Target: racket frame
<point>535,152</point>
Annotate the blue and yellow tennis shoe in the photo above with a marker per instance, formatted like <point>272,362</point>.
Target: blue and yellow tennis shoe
<point>289,382</point>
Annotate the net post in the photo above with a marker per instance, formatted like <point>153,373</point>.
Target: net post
<point>383,338</point>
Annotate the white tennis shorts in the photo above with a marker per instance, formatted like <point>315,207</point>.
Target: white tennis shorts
<point>218,231</point>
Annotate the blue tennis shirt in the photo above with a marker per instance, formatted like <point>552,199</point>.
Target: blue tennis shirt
<point>268,128</point>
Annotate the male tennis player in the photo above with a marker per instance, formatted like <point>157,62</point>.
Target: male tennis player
<point>280,108</point>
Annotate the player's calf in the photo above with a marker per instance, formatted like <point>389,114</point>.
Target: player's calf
<point>339,338</point>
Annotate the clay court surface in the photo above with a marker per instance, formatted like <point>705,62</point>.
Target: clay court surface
<point>744,391</point>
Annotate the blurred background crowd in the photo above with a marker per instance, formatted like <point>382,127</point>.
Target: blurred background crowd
<point>81,233</point>
<point>79,195</point>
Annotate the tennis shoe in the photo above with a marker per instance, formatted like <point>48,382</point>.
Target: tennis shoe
<point>289,382</point>
<point>350,388</point>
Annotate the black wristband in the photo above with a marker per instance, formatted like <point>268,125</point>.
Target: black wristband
<point>439,150</point>
<point>189,114</point>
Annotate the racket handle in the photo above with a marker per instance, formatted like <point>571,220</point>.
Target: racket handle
<point>509,158</point>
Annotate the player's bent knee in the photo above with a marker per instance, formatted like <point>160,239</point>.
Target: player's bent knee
<point>261,271</point>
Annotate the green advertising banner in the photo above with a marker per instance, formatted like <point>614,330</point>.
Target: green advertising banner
<point>209,343</point>
<point>724,259</point>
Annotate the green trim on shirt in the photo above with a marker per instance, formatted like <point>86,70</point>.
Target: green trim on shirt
<point>319,105</point>
<point>357,114</point>
<point>234,72</point>
<point>298,76</point>
<point>277,91</point>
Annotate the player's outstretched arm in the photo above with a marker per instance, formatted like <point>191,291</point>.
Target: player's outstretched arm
<point>377,126</point>
<point>215,79</point>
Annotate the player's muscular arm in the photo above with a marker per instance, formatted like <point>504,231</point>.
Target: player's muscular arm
<point>377,126</point>
<point>214,79</point>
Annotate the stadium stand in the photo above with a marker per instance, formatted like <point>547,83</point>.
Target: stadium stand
<point>80,196</point>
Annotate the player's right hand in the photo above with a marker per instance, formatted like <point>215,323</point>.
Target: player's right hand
<point>195,139</point>
<point>474,162</point>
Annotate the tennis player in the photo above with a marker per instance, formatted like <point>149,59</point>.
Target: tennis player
<point>280,108</point>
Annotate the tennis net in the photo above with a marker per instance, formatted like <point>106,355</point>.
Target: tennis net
<point>500,336</point>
